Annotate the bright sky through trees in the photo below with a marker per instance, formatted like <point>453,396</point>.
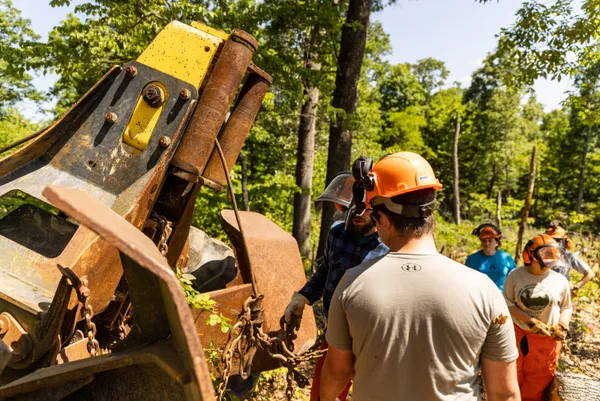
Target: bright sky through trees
<point>459,32</point>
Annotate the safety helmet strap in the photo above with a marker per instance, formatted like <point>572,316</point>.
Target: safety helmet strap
<point>411,211</point>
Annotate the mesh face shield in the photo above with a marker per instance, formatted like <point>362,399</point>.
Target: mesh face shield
<point>339,190</point>
<point>550,255</point>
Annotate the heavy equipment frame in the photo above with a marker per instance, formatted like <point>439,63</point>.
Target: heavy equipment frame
<point>98,210</point>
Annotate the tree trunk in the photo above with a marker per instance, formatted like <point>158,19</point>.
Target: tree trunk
<point>345,97</point>
<point>456,174</point>
<point>492,182</point>
<point>499,209</point>
<point>305,161</point>
<point>582,170</point>
<point>244,182</point>
<point>527,205</point>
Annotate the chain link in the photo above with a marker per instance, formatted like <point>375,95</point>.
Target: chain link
<point>93,346</point>
<point>247,335</point>
<point>165,227</point>
<point>83,295</point>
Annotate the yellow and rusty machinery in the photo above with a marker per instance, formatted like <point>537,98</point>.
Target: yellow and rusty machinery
<point>97,213</point>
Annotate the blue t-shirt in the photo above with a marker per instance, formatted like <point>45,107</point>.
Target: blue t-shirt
<point>496,267</point>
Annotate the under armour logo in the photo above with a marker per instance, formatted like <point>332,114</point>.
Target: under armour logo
<point>410,267</point>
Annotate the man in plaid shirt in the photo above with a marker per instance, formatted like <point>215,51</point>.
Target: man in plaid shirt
<point>347,246</point>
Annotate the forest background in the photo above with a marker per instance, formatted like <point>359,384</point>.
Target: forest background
<point>313,112</point>
<point>335,97</point>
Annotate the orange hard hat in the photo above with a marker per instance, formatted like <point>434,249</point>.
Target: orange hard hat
<point>560,234</point>
<point>397,174</point>
<point>487,230</point>
<point>544,249</point>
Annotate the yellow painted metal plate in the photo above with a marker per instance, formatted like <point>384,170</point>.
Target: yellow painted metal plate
<point>142,122</point>
<point>209,30</point>
<point>183,52</point>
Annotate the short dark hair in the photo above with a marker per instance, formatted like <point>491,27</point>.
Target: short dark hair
<point>414,227</point>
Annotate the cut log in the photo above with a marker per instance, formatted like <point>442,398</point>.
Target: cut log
<point>577,387</point>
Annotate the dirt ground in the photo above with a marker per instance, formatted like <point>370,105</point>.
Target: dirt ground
<point>581,352</point>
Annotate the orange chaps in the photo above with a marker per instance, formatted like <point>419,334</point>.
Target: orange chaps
<point>315,391</point>
<point>536,366</point>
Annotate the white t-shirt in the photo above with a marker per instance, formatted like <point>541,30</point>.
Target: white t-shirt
<point>543,296</point>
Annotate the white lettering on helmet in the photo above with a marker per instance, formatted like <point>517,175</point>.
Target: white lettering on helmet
<point>423,178</point>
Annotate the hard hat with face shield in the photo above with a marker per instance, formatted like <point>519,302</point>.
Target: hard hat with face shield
<point>545,250</point>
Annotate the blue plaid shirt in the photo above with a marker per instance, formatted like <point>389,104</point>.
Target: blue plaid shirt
<point>343,250</point>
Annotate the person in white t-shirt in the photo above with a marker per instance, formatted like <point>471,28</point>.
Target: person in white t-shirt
<point>539,300</point>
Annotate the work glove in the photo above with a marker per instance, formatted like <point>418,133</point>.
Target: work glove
<point>559,331</point>
<point>295,307</point>
<point>538,327</point>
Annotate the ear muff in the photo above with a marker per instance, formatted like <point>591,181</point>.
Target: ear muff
<point>360,171</point>
<point>369,182</point>
<point>361,167</point>
<point>569,242</point>
<point>527,254</point>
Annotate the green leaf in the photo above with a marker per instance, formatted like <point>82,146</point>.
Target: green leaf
<point>213,320</point>
<point>202,297</point>
<point>188,276</point>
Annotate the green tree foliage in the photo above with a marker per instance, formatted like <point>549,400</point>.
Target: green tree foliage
<point>17,44</point>
<point>400,88</point>
<point>407,106</point>
<point>404,130</point>
<point>550,39</point>
<point>112,32</point>
<point>441,113</point>
<point>13,126</point>
<point>431,74</point>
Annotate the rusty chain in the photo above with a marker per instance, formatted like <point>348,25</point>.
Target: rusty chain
<point>165,227</point>
<point>247,335</point>
<point>83,295</point>
<point>93,346</point>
